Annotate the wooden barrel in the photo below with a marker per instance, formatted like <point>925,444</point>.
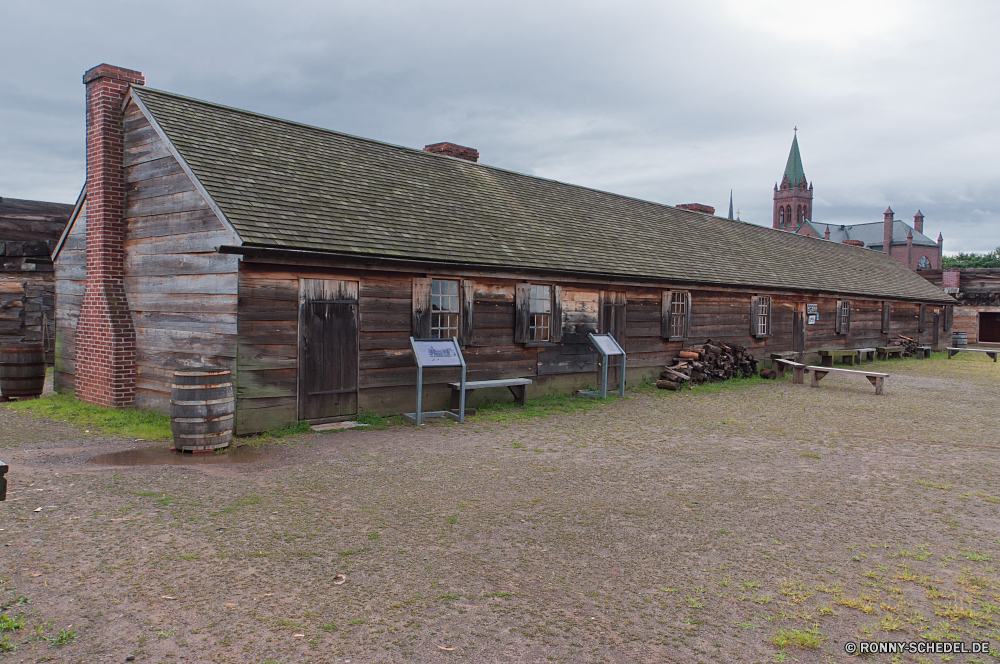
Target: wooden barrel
<point>960,339</point>
<point>22,370</point>
<point>202,408</point>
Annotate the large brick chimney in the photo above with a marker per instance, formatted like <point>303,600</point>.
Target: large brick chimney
<point>105,335</point>
<point>918,221</point>
<point>696,207</point>
<point>887,223</point>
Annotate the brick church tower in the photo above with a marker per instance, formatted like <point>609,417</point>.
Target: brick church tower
<point>793,198</point>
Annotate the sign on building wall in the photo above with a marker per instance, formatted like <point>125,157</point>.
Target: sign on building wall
<point>812,314</point>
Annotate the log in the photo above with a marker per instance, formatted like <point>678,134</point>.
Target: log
<point>689,355</point>
<point>669,385</point>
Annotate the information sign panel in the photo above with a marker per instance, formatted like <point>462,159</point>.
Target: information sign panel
<point>436,353</point>
<point>607,344</point>
<point>812,308</point>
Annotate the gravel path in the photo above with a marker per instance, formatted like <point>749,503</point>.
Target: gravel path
<point>769,523</point>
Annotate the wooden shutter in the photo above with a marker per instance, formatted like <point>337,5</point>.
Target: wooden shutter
<point>886,317</point>
<point>468,305</point>
<point>557,322</point>
<point>922,320</point>
<point>420,326</point>
<point>666,298</point>
<point>754,317</point>
<point>522,315</point>
<point>949,311</point>
<point>687,315</point>
<point>836,323</point>
<point>846,325</point>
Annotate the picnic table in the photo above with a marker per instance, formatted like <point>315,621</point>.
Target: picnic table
<point>828,356</point>
<point>885,352</point>
<point>989,351</point>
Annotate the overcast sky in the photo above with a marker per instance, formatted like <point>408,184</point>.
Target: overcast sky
<point>675,102</point>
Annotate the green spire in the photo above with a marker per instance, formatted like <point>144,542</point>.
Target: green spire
<point>793,169</point>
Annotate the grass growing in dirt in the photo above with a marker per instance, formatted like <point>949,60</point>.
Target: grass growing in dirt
<point>126,422</point>
<point>275,436</point>
<point>504,411</point>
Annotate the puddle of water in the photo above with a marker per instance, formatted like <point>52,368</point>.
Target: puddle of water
<point>163,456</point>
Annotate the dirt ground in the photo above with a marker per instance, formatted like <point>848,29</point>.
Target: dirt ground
<point>765,524</point>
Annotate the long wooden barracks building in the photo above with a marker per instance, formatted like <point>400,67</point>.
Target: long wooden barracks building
<point>304,259</point>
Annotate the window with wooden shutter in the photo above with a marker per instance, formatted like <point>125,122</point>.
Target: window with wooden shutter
<point>538,317</point>
<point>760,316</point>
<point>843,323</point>
<point>886,317</point>
<point>922,318</point>
<point>420,326</point>
<point>675,315</point>
<point>446,308</point>
<point>949,312</point>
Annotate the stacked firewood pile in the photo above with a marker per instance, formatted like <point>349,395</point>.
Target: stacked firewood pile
<point>709,363</point>
<point>909,345</point>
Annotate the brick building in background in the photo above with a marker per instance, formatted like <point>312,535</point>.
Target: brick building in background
<point>793,210</point>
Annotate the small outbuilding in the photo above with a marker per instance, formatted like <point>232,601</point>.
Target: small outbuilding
<point>303,259</point>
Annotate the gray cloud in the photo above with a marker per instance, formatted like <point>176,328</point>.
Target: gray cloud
<point>673,102</point>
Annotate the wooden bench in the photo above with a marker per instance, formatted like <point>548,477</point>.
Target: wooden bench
<point>517,386</point>
<point>873,377</point>
<point>783,355</point>
<point>828,357</point>
<point>865,354</point>
<point>798,370</point>
<point>885,352</point>
<point>956,351</point>
<point>923,352</point>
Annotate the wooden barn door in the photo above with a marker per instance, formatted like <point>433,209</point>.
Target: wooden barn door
<point>612,321</point>
<point>328,348</point>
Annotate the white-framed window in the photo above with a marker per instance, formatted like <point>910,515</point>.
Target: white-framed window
<point>760,316</point>
<point>445,308</point>
<point>540,310</point>
<point>538,314</point>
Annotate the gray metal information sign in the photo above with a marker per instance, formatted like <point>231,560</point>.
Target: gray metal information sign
<point>436,353</point>
<point>607,347</point>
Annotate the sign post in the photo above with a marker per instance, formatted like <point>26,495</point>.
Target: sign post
<point>607,347</point>
<point>436,353</point>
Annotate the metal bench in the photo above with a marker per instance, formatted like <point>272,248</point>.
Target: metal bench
<point>923,352</point>
<point>517,386</point>
<point>873,377</point>
<point>885,352</point>
<point>988,351</point>
<point>865,354</point>
<point>3,480</point>
<point>828,356</point>
<point>798,370</point>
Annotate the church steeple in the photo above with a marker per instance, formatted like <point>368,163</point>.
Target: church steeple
<point>794,172</point>
<point>793,197</point>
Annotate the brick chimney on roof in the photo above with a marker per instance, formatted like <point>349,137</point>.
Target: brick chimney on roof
<point>105,334</point>
<point>453,150</point>
<point>918,221</point>
<point>854,243</point>
<point>887,223</point>
<point>696,207</point>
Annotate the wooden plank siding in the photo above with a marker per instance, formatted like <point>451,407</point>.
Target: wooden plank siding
<point>71,281</point>
<point>268,319</point>
<point>182,293</point>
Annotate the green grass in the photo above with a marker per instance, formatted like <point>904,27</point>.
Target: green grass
<point>796,637</point>
<point>507,411</point>
<point>275,435</point>
<point>125,422</point>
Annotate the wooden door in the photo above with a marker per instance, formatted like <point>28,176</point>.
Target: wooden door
<point>612,321</point>
<point>328,348</point>
<point>798,331</point>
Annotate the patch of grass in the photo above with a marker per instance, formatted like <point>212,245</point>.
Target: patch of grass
<point>329,627</point>
<point>796,637</point>
<point>352,552</point>
<point>540,407</point>
<point>810,455</point>
<point>275,435</point>
<point>977,555</point>
<point>125,422</point>
<point>934,485</point>
<point>245,501</point>
<point>63,637</point>
<point>8,624</point>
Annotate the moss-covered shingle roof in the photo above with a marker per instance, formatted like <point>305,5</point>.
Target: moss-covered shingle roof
<point>287,185</point>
